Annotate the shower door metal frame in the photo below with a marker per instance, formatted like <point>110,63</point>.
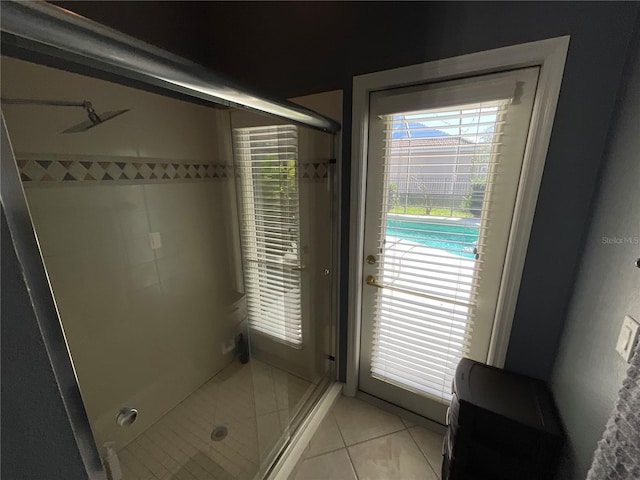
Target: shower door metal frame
<point>29,255</point>
<point>45,34</point>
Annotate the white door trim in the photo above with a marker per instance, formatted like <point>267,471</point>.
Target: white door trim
<point>550,55</point>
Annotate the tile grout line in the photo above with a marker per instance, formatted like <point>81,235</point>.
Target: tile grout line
<point>346,447</point>
<point>375,438</point>
<point>353,467</point>
<point>423,454</point>
<point>405,428</point>
<point>357,443</point>
<point>183,422</point>
<point>324,453</point>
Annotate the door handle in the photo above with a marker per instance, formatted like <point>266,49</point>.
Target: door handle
<point>371,280</point>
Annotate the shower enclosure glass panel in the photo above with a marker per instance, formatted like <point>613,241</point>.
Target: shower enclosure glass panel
<point>284,189</point>
<point>138,225</point>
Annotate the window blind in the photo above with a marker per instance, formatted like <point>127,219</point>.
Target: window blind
<point>267,161</point>
<point>439,169</point>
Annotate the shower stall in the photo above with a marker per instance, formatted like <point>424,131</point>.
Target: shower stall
<point>188,239</point>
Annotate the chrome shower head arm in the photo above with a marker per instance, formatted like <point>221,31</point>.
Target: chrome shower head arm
<point>53,103</point>
<point>94,120</point>
<point>93,117</point>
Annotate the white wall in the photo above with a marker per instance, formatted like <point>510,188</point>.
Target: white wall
<point>144,326</point>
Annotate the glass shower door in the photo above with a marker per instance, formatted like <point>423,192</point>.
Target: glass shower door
<point>284,202</point>
<point>137,225</point>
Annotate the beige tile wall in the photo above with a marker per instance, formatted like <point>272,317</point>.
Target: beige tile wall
<point>144,326</point>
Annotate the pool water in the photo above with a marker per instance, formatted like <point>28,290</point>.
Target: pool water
<point>457,239</point>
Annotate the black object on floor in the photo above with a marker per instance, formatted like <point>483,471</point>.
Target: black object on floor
<point>243,349</point>
<point>501,426</point>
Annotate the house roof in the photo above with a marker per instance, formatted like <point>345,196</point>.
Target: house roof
<point>424,136</point>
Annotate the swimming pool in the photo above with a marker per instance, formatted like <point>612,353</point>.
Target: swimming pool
<point>435,233</point>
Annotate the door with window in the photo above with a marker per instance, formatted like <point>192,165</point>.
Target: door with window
<point>444,165</point>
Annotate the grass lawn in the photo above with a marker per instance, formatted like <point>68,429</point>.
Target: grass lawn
<point>436,212</point>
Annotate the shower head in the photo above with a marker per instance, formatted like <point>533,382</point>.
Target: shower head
<point>93,119</point>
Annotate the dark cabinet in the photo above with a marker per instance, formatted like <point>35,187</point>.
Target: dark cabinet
<point>501,426</point>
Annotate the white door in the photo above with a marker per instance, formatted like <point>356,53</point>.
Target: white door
<point>444,164</point>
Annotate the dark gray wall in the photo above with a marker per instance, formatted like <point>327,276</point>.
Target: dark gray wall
<point>37,441</point>
<point>588,370</point>
<point>294,48</point>
<point>179,27</point>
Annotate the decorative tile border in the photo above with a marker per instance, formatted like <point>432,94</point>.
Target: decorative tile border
<point>125,170</point>
<point>313,171</point>
<point>38,170</point>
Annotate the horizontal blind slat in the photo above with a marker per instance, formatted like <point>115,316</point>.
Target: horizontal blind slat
<point>413,300</point>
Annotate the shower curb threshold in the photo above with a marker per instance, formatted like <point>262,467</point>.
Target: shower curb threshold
<point>294,451</point>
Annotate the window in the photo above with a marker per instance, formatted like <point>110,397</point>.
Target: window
<point>438,164</point>
<point>267,164</point>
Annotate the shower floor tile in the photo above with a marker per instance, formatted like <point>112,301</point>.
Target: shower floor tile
<point>253,401</point>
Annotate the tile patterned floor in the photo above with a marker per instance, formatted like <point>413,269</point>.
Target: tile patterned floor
<point>254,401</point>
<point>357,441</point>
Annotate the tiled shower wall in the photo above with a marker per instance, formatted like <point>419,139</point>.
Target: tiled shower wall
<point>145,322</point>
<point>145,325</point>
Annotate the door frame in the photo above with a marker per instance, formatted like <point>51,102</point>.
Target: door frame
<point>550,55</point>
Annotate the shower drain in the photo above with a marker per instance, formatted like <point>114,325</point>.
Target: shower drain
<point>219,433</point>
